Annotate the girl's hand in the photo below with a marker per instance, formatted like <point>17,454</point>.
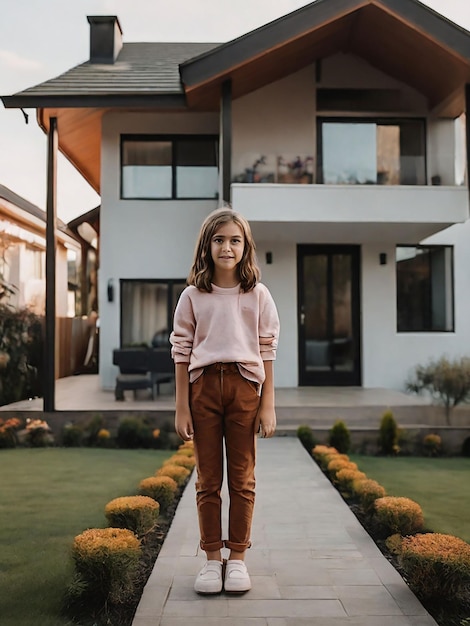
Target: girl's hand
<point>184,424</point>
<point>267,419</point>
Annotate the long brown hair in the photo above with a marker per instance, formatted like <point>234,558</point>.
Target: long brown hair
<point>202,269</point>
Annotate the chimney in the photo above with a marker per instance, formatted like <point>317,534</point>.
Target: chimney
<point>105,38</point>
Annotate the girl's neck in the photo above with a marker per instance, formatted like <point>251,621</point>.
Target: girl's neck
<point>225,280</point>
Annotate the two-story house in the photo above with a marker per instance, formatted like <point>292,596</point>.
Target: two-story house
<point>337,130</point>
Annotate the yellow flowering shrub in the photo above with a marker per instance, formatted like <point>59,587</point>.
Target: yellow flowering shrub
<point>436,565</point>
<point>161,488</point>
<point>137,513</point>
<point>367,491</point>
<point>399,515</point>
<point>106,561</point>
<point>181,459</point>
<point>177,472</point>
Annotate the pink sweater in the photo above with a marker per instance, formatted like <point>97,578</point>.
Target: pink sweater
<point>225,325</point>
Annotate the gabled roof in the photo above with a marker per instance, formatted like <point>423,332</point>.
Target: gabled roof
<point>403,38</point>
<point>141,72</point>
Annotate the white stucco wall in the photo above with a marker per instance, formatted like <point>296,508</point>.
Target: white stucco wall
<point>142,239</point>
<point>155,239</point>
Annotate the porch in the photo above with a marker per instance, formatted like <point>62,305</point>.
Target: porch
<point>320,407</point>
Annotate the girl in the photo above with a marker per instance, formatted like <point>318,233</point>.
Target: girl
<point>224,343</point>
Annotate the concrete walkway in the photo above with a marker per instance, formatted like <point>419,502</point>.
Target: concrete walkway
<point>311,562</point>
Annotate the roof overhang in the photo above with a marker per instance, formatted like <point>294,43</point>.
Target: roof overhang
<point>402,38</point>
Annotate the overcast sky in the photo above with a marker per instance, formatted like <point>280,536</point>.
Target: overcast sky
<point>40,39</point>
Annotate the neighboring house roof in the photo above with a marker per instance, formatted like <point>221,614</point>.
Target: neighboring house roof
<point>18,209</point>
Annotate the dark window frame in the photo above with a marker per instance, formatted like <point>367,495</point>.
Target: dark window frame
<point>429,311</point>
<point>379,120</point>
<point>174,151</point>
<point>169,282</point>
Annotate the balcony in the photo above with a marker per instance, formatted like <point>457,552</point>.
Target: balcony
<point>349,213</point>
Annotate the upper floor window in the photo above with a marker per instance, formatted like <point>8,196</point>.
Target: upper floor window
<point>156,167</point>
<point>425,298</point>
<point>372,152</point>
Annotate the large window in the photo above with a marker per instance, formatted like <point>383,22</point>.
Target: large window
<point>155,167</point>
<point>425,299</point>
<point>372,152</point>
<point>147,308</point>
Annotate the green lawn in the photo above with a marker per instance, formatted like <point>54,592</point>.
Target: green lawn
<point>440,486</point>
<point>47,497</point>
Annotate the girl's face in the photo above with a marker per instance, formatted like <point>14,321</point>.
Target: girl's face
<point>227,246</point>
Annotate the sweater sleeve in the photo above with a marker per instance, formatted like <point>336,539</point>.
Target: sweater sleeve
<point>268,327</point>
<point>182,336</point>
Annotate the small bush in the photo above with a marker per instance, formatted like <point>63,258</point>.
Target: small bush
<point>466,447</point>
<point>340,437</point>
<point>323,455</point>
<point>134,432</point>
<point>305,435</point>
<point>37,433</point>
<point>91,430</point>
<point>181,459</point>
<point>161,488</point>
<point>436,565</point>
<point>388,437</point>
<point>72,436</point>
<point>367,491</point>
<point>186,451</point>
<point>398,515</point>
<point>177,472</point>
<point>337,464</point>
<point>136,513</point>
<point>432,445</point>
<point>106,562</point>
<point>345,478</point>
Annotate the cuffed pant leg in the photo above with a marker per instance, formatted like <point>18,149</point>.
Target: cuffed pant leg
<point>241,409</point>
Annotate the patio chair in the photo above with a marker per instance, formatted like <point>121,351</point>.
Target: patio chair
<point>142,368</point>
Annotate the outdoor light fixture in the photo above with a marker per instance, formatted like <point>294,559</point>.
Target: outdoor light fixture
<point>383,258</point>
<point>269,258</point>
<point>110,290</point>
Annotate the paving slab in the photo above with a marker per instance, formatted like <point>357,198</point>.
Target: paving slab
<point>311,563</point>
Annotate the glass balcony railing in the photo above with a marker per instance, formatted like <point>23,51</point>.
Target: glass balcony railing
<point>274,168</point>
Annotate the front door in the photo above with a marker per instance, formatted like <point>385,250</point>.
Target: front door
<point>328,315</point>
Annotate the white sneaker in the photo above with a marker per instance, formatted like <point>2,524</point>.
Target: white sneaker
<point>237,578</point>
<point>209,579</point>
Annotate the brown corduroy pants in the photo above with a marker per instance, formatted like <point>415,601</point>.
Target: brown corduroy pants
<point>224,406</point>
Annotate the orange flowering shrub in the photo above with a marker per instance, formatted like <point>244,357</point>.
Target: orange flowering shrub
<point>367,491</point>
<point>136,513</point>
<point>106,561</point>
<point>177,472</point>
<point>185,451</point>
<point>399,515</point>
<point>181,459</point>
<point>436,565</point>
<point>161,488</point>
<point>338,463</point>
<point>346,476</point>
<point>8,429</point>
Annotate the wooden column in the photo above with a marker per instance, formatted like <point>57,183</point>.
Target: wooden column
<point>51,248</point>
<point>226,139</point>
